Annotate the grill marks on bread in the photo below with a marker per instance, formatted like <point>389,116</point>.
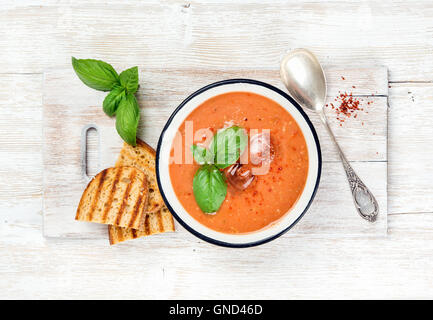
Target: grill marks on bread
<point>142,157</point>
<point>116,196</point>
<point>158,218</point>
<point>154,223</point>
<point>100,182</point>
<point>140,200</point>
<point>126,196</point>
<point>111,195</point>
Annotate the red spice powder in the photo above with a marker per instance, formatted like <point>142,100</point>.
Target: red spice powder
<point>348,106</point>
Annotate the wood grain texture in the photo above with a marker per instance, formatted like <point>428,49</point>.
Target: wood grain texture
<point>411,147</point>
<point>69,106</point>
<point>308,268</point>
<point>216,35</point>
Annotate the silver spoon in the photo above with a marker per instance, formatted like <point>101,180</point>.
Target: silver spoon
<point>305,80</point>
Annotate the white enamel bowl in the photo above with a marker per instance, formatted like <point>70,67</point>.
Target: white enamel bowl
<point>277,228</point>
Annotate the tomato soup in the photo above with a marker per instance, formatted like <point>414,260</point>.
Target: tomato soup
<point>271,195</point>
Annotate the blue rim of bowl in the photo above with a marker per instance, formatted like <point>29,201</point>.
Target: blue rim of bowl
<point>319,167</point>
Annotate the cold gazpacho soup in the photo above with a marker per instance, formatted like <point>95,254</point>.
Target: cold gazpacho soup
<point>238,163</point>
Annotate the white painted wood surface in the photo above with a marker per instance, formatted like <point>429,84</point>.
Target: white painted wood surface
<point>226,35</point>
<point>69,106</point>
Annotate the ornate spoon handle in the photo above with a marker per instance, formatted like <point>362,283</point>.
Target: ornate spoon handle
<point>365,202</point>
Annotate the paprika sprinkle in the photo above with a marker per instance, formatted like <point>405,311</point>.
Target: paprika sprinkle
<point>348,106</point>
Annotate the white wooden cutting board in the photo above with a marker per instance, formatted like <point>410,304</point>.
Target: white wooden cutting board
<point>69,106</point>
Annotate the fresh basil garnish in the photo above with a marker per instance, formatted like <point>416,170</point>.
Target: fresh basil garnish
<point>227,146</point>
<point>209,188</point>
<point>129,79</point>
<point>112,100</point>
<point>120,101</point>
<point>127,118</point>
<point>96,74</point>
<point>202,155</point>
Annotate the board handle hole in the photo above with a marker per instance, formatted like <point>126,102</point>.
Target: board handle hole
<point>90,151</point>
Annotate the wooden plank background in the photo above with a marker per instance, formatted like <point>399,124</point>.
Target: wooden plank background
<point>217,35</point>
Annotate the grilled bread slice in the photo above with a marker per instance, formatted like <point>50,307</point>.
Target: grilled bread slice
<point>116,196</point>
<point>142,157</point>
<point>156,222</point>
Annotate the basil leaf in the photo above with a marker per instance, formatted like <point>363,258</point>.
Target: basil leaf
<point>227,146</point>
<point>202,155</point>
<point>129,79</point>
<point>96,74</point>
<point>112,100</point>
<point>127,118</point>
<point>209,188</point>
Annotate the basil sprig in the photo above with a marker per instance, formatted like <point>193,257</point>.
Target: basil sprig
<point>209,186</point>
<point>120,102</point>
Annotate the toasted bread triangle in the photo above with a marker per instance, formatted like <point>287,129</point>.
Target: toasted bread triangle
<point>158,218</point>
<point>115,196</point>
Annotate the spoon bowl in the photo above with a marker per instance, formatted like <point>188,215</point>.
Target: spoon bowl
<point>303,76</point>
